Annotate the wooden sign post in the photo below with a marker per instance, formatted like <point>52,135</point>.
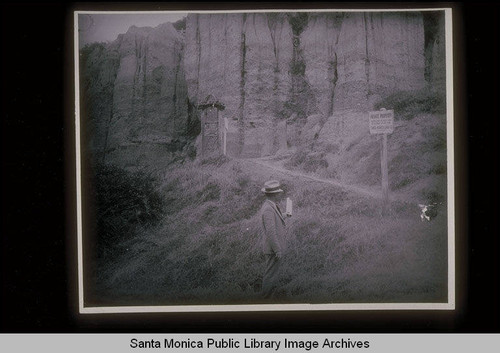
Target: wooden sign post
<point>382,122</point>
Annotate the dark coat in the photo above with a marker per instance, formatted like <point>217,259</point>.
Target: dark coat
<point>273,229</point>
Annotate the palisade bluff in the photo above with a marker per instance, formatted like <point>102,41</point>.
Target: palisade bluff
<point>293,77</point>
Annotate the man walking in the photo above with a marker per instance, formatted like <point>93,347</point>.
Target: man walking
<point>273,236</point>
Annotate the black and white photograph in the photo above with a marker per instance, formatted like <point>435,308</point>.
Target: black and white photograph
<point>264,160</point>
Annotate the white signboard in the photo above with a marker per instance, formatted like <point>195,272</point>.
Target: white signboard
<point>382,122</point>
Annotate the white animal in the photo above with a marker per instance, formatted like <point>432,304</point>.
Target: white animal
<point>428,211</point>
<point>423,210</point>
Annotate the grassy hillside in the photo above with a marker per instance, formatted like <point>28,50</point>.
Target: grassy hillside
<point>205,248</point>
<point>416,158</point>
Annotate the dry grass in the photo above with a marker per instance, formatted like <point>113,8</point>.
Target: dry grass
<point>416,159</point>
<point>206,248</point>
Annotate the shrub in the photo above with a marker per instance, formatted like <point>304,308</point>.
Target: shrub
<point>432,196</point>
<point>123,200</point>
<point>332,148</point>
<point>243,181</point>
<point>297,68</point>
<point>298,21</point>
<point>403,182</point>
<point>210,192</point>
<point>216,160</point>
<point>180,24</point>
<point>438,168</point>
<point>312,164</point>
<point>408,104</point>
<point>309,162</point>
<point>191,152</point>
<point>297,158</point>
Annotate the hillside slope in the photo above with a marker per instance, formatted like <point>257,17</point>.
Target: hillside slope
<point>206,247</point>
<point>417,159</point>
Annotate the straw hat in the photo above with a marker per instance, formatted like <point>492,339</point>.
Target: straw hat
<point>271,187</point>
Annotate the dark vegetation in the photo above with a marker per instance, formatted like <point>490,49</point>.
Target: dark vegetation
<point>307,161</point>
<point>124,201</point>
<point>193,125</point>
<point>180,25</point>
<point>298,21</point>
<point>194,242</point>
<point>408,104</point>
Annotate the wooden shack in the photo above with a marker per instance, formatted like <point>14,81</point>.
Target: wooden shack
<point>211,126</point>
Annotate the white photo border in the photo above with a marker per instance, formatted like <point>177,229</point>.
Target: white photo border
<point>449,305</point>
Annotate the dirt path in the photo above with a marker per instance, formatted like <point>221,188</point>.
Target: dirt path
<point>265,164</point>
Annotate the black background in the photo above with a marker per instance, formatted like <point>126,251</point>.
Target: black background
<point>38,247</point>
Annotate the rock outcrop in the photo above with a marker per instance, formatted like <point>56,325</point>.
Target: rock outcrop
<point>243,60</point>
<point>271,71</point>
<point>265,67</point>
<point>377,54</point>
<point>140,77</point>
<point>320,45</point>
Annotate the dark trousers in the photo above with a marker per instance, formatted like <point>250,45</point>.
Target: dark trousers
<point>270,280</point>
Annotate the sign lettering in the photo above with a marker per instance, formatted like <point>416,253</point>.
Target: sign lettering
<point>381,122</point>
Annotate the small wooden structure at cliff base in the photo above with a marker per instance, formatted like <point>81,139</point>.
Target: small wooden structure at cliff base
<point>212,133</point>
<point>382,122</point>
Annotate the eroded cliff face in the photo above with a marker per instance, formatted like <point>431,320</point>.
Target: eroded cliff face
<point>267,68</point>
<point>377,54</point>
<point>138,92</point>
<point>243,60</point>
<point>284,78</point>
<point>320,45</point>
